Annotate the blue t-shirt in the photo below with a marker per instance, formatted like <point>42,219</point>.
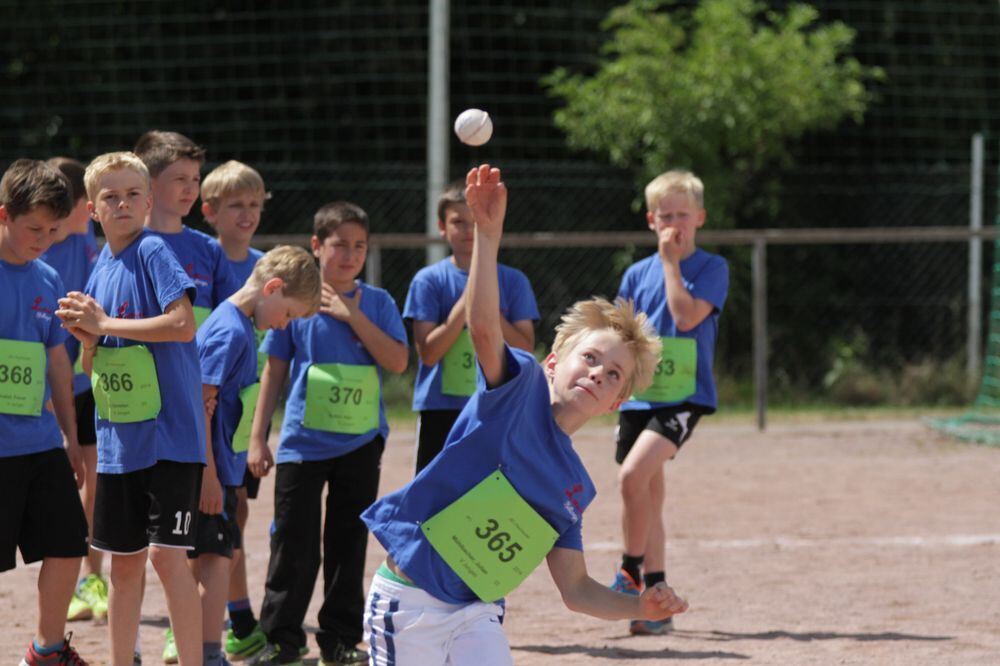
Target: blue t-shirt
<point>706,276</point>
<point>228,355</point>
<point>30,292</point>
<point>205,263</point>
<point>510,428</point>
<point>323,339</point>
<point>433,293</point>
<point>74,259</point>
<point>139,283</point>
<point>243,269</point>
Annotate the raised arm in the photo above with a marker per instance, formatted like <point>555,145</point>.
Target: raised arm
<point>487,198</point>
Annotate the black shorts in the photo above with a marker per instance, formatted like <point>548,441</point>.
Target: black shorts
<point>432,431</point>
<point>218,534</point>
<point>676,423</point>
<point>86,432</point>
<point>42,514</point>
<point>252,484</point>
<point>157,505</point>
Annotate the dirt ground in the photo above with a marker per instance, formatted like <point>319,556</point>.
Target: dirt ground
<point>843,543</point>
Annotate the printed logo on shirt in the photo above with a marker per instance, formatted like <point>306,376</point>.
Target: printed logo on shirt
<point>571,505</point>
<point>41,312</point>
<point>123,313</point>
<point>198,279</point>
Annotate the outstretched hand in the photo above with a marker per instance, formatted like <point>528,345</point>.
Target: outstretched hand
<point>660,602</point>
<point>486,196</point>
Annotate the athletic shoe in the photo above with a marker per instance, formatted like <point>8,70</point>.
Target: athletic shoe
<point>90,599</point>
<point>170,648</point>
<point>136,659</point>
<point>239,649</point>
<point>66,656</point>
<point>271,656</point>
<point>344,655</point>
<point>651,627</point>
<point>623,583</point>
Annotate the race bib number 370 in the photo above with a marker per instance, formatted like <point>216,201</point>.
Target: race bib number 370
<point>490,537</point>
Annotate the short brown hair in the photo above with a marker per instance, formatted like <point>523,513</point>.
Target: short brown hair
<point>453,194</point>
<point>231,178</point>
<point>159,149</point>
<point>297,269</point>
<point>28,184</point>
<point>108,162</point>
<point>73,170</point>
<point>621,317</point>
<point>329,218</point>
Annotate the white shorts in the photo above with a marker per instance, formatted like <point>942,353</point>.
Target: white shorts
<point>408,627</point>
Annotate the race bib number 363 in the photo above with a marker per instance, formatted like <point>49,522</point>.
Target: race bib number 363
<point>676,373</point>
<point>490,537</point>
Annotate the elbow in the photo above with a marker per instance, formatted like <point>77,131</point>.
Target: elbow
<point>185,330</point>
<point>398,366</point>
<point>572,602</point>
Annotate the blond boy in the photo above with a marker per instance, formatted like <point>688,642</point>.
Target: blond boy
<point>136,325</point>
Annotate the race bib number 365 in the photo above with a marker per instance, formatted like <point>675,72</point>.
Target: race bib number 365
<point>490,537</point>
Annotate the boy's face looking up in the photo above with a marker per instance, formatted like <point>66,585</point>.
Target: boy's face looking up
<point>28,236</point>
<point>457,228</point>
<point>236,216</point>
<point>176,188</point>
<point>122,203</point>
<point>677,211</point>
<point>590,377</point>
<point>274,310</point>
<point>342,254</point>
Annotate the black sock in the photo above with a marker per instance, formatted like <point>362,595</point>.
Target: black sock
<point>632,565</point>
<point>243,622</point>
<point>653,577</point>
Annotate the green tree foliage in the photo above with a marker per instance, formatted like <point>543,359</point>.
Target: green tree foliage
<point>721,88</point>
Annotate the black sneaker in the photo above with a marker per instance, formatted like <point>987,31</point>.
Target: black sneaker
<point>343,656</point>
<point>272,655</point>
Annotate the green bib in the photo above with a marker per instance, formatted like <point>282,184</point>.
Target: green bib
<point>676,373</point>
<point>342,398</point>
<point>241,438</point>
<point>490,537</point>
<point>200,315</point>
<point>126,388</point>
<point>22,377</point>
<point>458,367</point>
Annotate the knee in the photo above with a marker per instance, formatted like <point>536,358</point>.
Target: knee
<point>168,561</point>
<point>127,569</point>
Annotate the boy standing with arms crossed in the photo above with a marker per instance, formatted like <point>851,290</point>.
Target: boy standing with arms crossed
<point>333,434</point>
<point>232,200</point>
<point>508,490</point>
<point>73,256</point>
<point>682,290</point>
<point>284,285</point>
<point>174,162</point>
<point>42,514</point>
<point>435,303</point>
<point>150,417</point>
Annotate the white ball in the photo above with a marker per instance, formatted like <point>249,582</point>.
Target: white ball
<point>473,127</point>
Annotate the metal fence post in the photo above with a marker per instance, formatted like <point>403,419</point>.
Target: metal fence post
<point>760,329</point>
<point>373,265</point>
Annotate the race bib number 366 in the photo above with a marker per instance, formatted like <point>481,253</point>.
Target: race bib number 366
<point>490,537</point>
<point>126,388</point>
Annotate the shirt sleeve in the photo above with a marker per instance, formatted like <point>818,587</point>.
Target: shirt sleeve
<point>522,298</point>
<point>625,290</point>
<point>422,300</point>
<point>170,282</point>
<point>571,538</point>
<point>713,284</point>
<point>278,342</point>
<point>505,399</point>
<point>214,348</point>
<point>389,319</point>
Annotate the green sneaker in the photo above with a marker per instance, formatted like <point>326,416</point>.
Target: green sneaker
<point>90,599</point>
<point>238,649</point>
<point>170,648</point>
